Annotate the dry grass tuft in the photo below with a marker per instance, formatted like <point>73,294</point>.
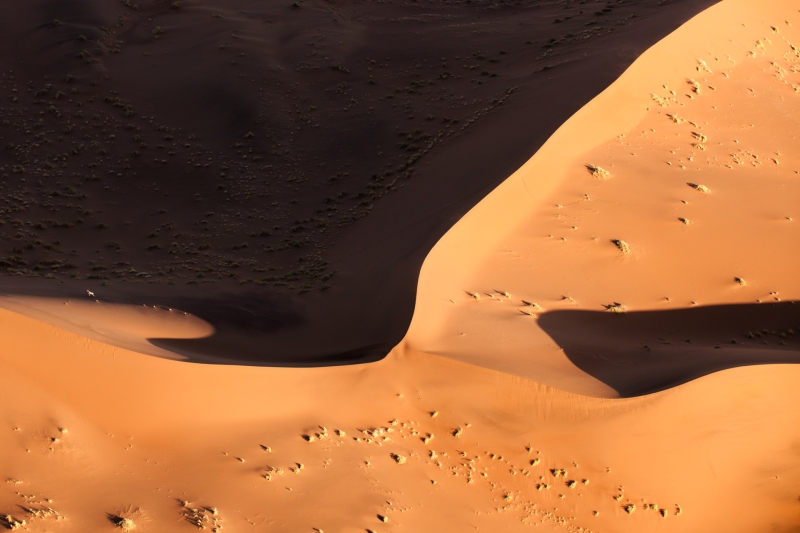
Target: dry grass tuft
<point>598,172</point>
<point>675,118</point>
<point>616,308</point>
<point>660,101</point>
<point>622,245</point>
<point>740,281</point>
<point>125,524</point>
<point>12,523</point>
<point>699,136</point>
<point>703,66</point>
<point>696,89</point>
<point>698,187</point>
<point>630,508</point>
<point>399,459</point>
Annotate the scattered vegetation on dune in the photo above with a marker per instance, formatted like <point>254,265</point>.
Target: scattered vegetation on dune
<point>696,89</point>
<point>675,118</point>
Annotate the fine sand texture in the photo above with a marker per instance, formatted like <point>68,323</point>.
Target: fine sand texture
<point>653,238</point>
<point>279,169</point>
<point>601,345</point>
<point>91,434</point>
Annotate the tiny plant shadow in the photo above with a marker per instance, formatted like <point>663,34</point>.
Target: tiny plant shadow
<point>126,524</point>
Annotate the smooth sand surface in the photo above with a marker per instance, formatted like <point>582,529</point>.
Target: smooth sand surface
<point>517,423</point>
<point>705,204</point>
<point>92,432</point>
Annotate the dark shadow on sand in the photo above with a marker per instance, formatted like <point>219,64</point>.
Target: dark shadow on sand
<point>643,352</point>
<point>241,324</point>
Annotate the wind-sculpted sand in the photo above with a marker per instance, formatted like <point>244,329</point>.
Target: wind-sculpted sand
<point>92,435</point>
<point>674,190</point>
<point>588,353</point>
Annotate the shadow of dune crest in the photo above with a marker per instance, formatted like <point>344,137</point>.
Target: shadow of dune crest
<point>240,327</point>
<point>230,349</point>
<point>642,352</point>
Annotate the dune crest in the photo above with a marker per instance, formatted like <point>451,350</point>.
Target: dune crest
<point>675,188</point>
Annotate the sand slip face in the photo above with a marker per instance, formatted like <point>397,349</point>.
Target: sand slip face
<point>668,202</point>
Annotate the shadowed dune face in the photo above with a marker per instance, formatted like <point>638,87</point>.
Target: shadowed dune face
<point>308,157</point>
<point>674,190</point>
<point>646,351</point>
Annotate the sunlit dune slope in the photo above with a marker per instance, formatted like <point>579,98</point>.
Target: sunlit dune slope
<point>676,188</point>
<point>98,435</point>
<point>91,434</point>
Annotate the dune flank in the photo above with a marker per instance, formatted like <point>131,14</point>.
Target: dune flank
<point>673,191</point>
<point>278,169</point>
<point>92,434</point>
<point>502,408</point>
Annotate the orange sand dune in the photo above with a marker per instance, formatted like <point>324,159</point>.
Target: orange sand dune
<point>694,204</point>
<point>98,437</point>
<point>90,433</point>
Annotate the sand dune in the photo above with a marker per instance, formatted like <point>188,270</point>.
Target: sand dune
<point>94,432</point>
<point>572,284</point>
<point>676,188</point>
<point>240,159</point>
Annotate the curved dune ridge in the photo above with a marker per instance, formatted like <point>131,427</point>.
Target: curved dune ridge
<point>675,189</point>
<point>279,171</point>
<point>92,434</point>
<point>494,413</point>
